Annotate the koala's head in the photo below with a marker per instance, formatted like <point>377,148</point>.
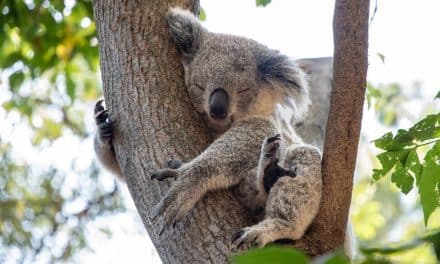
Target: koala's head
<point>230,77</point>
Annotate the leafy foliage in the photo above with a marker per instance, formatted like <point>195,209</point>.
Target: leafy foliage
<point>400,159</point>
<point>49,69</point>
<point>270,255</point>
<point>432,238</point>
<point>262,2</point>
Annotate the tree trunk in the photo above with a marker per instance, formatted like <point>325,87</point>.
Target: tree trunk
<point>143,86</point>
<point>155,121</point>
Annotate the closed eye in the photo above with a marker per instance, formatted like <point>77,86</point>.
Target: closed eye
<point>245,90</point>
<point>199,87</point>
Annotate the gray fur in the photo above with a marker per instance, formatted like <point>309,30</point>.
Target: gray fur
<point>266,90</point>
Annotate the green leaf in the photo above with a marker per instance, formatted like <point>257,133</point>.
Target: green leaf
<point>413,165</point>
<point>277,255</point>
<point>390,143</point>
<point>388,160</point>
<point>262,2</point>
<point>70,86</point>
<point>15,80</point>
<point>437,96</point>
<point>434,238</point>
<point>433,154</point>
<point>202,15</point>
<point>429,193</point>
<point>336,257</point>
<point>402,178</point>
<point>381,56</point>
<point>427,128</point>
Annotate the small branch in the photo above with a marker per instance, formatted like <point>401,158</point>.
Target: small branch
<point>350,30</point>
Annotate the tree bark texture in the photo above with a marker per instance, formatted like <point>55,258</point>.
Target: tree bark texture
<point>350,31</point>
<point>155,121</point>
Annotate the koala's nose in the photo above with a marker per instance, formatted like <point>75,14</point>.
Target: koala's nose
<point>218,104</point>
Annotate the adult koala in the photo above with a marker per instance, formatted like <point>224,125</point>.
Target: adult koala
<point>249,96</point>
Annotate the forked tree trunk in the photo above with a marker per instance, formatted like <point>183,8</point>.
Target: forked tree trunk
<point>144,89</point>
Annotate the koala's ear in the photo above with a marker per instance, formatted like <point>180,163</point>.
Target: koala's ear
<point>186,32</point>
<point>284,74</point>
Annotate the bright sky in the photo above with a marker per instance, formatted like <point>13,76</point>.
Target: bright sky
<point>406,32</point>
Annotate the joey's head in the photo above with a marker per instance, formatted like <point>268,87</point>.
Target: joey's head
<point>230,77</point>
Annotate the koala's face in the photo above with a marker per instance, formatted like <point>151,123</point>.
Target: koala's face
<point>222,79</point>
<point>226,75</point>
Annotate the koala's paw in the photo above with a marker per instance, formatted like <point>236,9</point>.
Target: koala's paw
<point>174,206</point>
<point>270,146</point>
<point>163,174</point>
<point>249,237</point>
<point>170,172</point>
<point>174,164</point>
<point>105,126</point>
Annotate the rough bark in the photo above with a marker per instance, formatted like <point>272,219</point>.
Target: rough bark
<point>143,86</point>
<point>350,27</point>
<point>144,89</point>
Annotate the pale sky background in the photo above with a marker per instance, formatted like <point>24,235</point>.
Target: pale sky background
<point>406,32</point>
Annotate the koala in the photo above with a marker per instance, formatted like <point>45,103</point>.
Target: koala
<point>249,96</point>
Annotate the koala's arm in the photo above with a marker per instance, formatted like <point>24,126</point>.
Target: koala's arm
<point>103,141</point>
<point>219,166</point>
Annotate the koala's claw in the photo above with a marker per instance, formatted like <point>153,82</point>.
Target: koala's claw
<point>277,137</point>
<point>105,126</point>
<point>271,146</point>
<point>248,237</point>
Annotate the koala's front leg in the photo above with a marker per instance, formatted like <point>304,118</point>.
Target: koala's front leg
<point>219,166</point>
<point>103,139</point>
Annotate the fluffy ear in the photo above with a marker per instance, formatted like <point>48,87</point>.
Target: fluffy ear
<point>284,74</point>
<point>186,32</point>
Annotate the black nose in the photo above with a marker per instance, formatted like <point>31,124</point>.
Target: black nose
<point>218,104</point>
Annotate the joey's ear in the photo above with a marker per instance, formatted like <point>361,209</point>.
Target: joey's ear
<point>285,75</point>
<point>186,32</point>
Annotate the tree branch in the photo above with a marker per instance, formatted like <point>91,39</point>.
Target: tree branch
<point>350,27</point>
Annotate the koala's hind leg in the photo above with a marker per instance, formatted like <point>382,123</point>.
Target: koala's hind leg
<point>292,203</point>
<point>267,231</point>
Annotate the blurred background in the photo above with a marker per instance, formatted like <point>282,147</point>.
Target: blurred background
<point>58,205</point>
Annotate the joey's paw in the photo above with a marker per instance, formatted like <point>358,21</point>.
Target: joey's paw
<point>163,174</point>
<point>248,237</point>
<point>270,146</point>
<point>105,126</point>
<point>174,164</point>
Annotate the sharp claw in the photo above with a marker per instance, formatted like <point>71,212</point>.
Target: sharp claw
<point>174,224</point>
<point>161,230</point>
<point>98,105</point>
<point>153,176</point>
<point>274,138</point>
<point>237,235</point>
